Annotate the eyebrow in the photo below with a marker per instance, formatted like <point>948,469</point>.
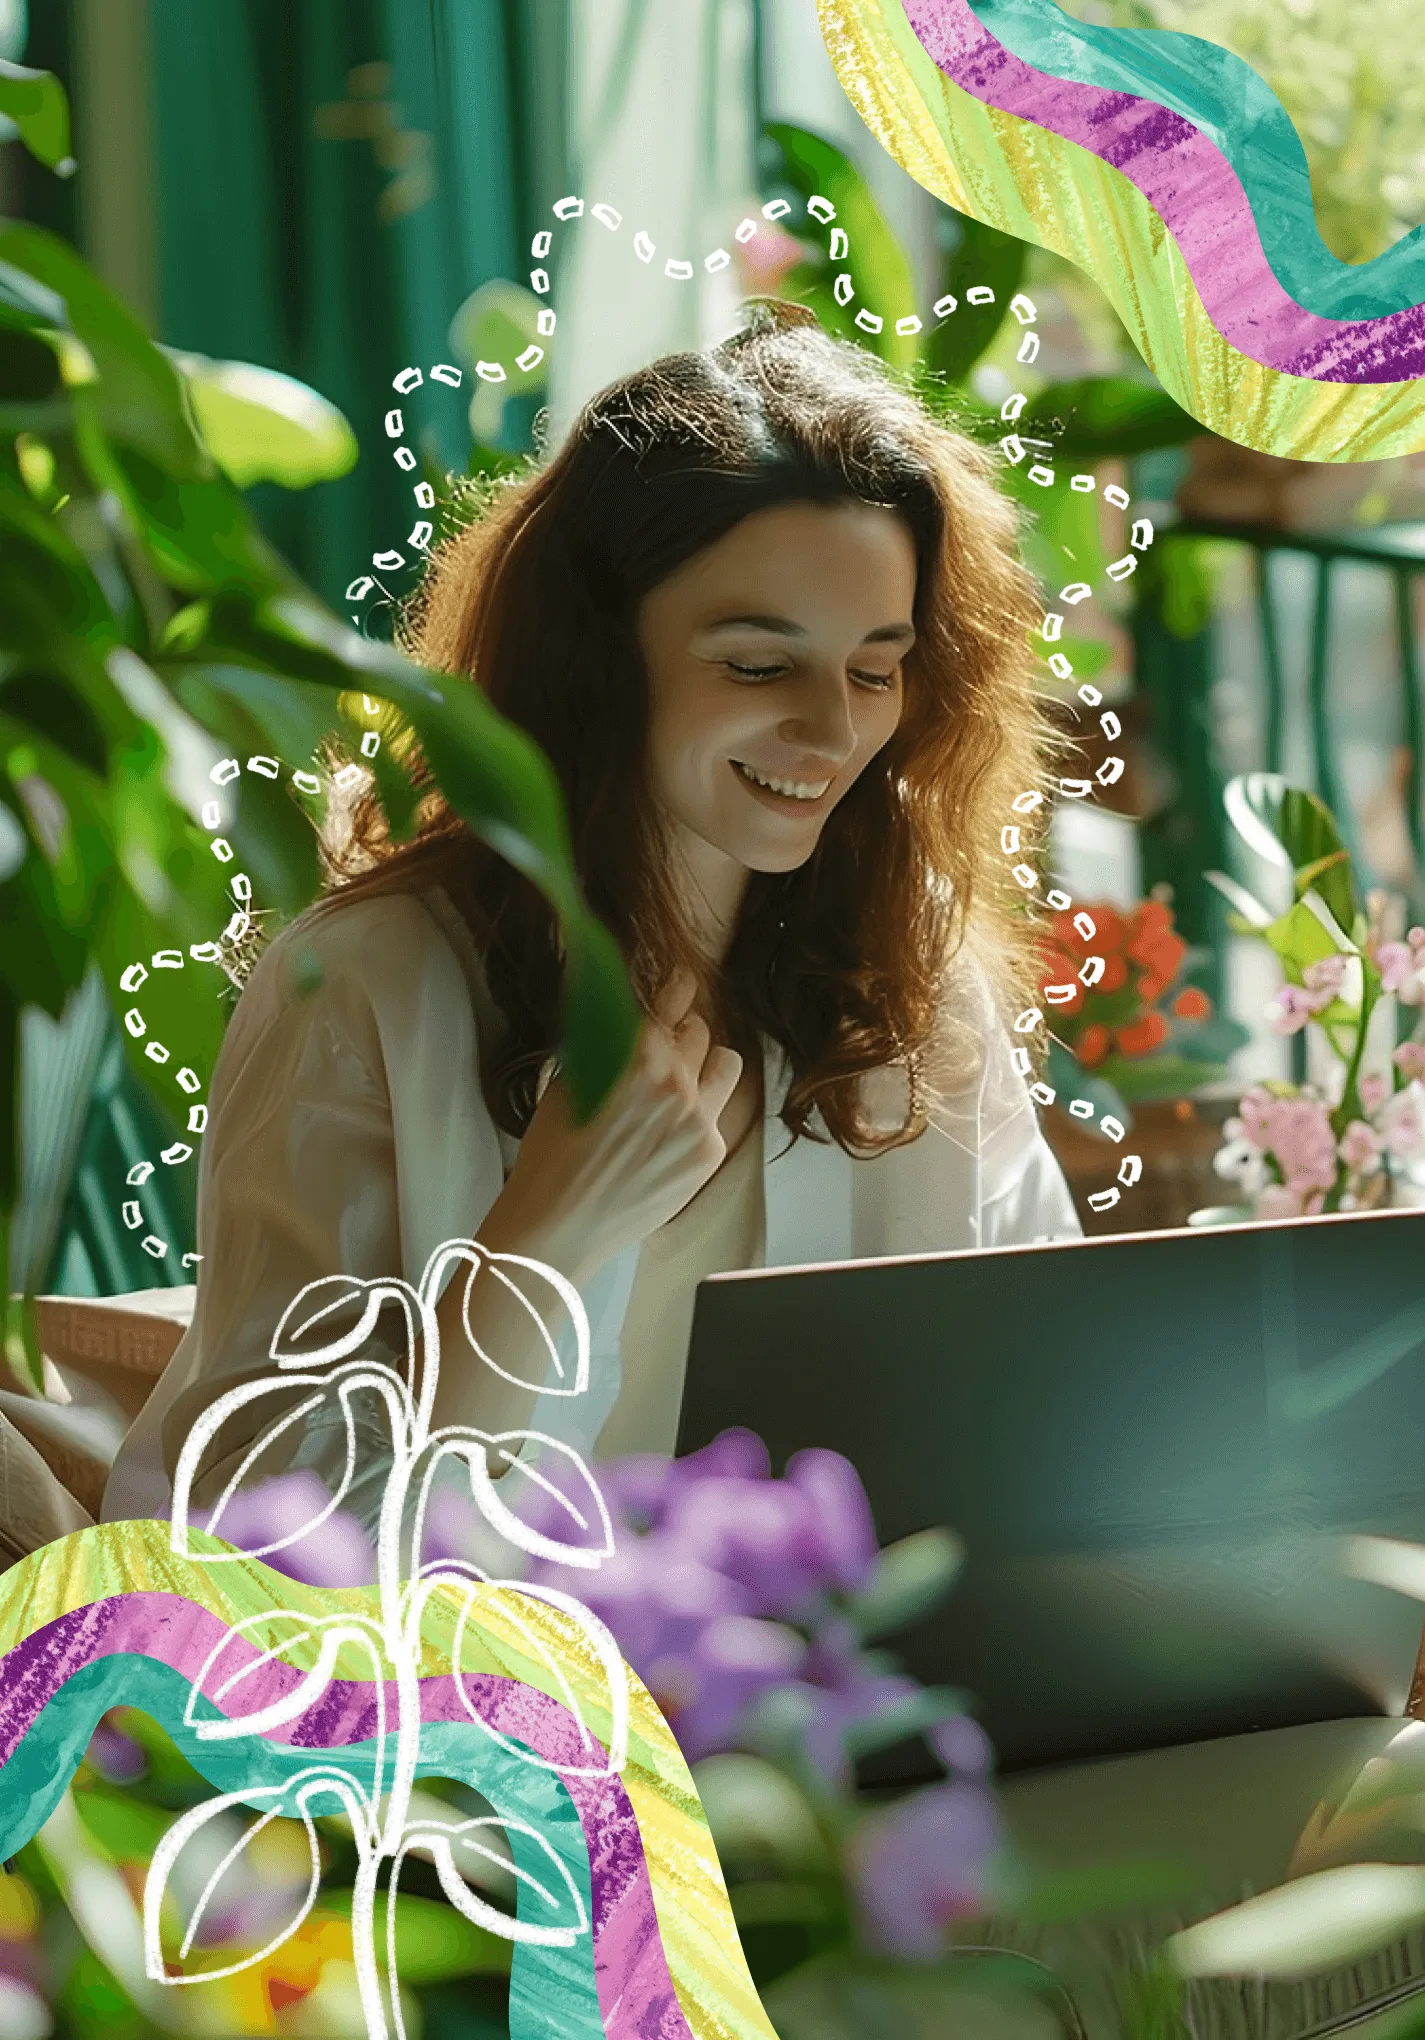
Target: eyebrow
<point>780,626</point>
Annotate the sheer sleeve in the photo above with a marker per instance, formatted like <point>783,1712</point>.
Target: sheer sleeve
<point>1021,1196</point>
<point>315,1113</point>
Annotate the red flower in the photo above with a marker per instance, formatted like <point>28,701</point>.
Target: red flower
<point>1141,1037</point>
<point>1192,1005</point>
<point>1092,1046</point>
<point>1115,972</point>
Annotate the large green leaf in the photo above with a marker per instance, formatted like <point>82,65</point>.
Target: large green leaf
<point>36,102</point>
<point>877,264</point>
<point>137,393</point>
<point>260,426</point>
<point>1294,831</point>
<point>1108,417</point>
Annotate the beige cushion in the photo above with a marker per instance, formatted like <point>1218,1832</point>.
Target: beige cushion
<point>1206,1825</point>
<point>35,1507</point>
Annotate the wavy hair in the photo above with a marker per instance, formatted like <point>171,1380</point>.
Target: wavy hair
<point>844,961</point>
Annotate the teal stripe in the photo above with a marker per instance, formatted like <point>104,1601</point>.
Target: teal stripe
<point>1236,110</point>
<point>553,1995</point>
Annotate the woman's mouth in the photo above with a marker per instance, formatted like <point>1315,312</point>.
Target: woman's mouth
<point>787,796</point>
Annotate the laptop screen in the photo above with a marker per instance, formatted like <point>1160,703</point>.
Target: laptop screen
<point>1153,1447</point>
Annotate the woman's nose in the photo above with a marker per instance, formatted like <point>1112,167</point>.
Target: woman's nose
<point>822,721</point>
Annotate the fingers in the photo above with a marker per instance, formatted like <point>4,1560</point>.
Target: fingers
<point>675,1001</point>
<point>720,1073</point>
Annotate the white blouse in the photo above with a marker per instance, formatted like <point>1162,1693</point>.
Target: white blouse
<point>348,1133</point>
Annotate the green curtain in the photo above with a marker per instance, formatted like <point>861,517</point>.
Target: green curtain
<point>330,179</point>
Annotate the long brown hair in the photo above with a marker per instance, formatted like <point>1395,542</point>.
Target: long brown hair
<point>844,961</point>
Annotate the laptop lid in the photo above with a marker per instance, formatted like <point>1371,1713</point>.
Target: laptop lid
<point>1152,1446</point>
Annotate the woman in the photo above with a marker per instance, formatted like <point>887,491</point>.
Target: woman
<point>766,618</point>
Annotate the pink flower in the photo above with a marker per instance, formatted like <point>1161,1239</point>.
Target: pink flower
<point>1402,968</point>
<point>1395,961</point>
<point>1374,1090</point>
<point>768,256</point>
<point>1409,1058</point>
<point>1326,975</point>
<point>1360,1146</point>
<point>1276,1201</point>
<point>1293,1006</point>
<point>1402,1123</point>
<point>1296,1130</point>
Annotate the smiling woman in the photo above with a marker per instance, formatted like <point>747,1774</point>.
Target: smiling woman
<point>767,619</point>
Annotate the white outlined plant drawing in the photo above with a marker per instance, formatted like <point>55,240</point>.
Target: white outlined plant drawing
<point>552,1912</point>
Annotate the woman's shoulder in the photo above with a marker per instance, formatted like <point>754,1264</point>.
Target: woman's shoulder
<point>370,947</point>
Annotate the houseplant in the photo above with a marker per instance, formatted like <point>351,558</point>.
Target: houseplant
<point>1349,1138</point>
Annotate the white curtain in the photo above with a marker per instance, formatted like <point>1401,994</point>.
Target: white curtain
<point>662,107</point>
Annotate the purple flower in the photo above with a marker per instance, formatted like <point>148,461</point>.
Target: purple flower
<point>336,1553</point>
<point>921,1864</point>
<point>114,1755</point>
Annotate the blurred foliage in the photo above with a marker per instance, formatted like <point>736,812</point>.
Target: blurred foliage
<point>137,596</point>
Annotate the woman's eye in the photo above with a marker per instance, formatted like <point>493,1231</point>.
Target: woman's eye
<point>880,681</point>
<point>755,672</point>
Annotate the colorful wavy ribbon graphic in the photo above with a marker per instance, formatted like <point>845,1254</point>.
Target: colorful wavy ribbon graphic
<point>1168,171</point>
<point>111,1616</point>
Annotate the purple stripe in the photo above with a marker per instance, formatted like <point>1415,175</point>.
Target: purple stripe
<point>1192,186</point>
<point>636,1995</point>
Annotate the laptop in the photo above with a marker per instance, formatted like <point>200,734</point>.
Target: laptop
<point>1153,1446</point>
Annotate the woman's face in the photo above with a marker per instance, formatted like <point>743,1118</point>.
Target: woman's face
<point>775,655</point>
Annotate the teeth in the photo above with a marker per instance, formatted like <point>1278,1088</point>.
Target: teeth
<point>797,790</point>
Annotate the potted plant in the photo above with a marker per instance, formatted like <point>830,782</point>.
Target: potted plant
<point>1138,1041</point>
<point>1351,1138</point>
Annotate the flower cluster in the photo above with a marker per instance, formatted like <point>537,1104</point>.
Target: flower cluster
<point>731,1592</point>
<point>1129,1012</point>
<point>1286,1157</point>
<point>733,1595</point>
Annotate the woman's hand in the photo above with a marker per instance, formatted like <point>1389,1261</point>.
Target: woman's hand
<point>585,1192</point>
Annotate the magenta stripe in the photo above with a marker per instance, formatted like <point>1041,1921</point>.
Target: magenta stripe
<point>636,1995</point>
<point>1196,192</point>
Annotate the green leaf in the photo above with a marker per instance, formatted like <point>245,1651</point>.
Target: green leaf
<point>1301,937</point>
<point>1107,417</point>
<point>433,1940</point>
<point>260,426</point>
<point>36,102</point>
<point>1152,1079</point>
<point>126,1828</point>
<point>756,1813</point>
<point>138,395</point>
<point>911,1577</point>
<point>902,1719</point>
<point>1321,1921</point>
<point>1254,916</point>
<point>1068,1077</point>
<point>877,264</point>
<point>983,256</point>
<point>25,302</point>
<point>1296,832</point>
<point>495,325</point>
